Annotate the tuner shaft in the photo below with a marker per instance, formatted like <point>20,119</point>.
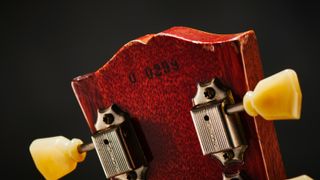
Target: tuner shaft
<point>235,108</point>
<point>85,147</point>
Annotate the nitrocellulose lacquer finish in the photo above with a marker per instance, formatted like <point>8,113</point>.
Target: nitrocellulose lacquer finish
<point>154,78</point>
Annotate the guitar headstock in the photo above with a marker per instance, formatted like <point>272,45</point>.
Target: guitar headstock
<point>154,79</point>
<point>165,107</point>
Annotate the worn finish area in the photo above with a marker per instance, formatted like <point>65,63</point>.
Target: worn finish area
<point>154,78</point>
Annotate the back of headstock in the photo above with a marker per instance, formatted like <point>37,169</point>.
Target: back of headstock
<point>154,79</point>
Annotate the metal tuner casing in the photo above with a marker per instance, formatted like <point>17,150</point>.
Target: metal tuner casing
<point>117,145</point>
<point>220,134</point>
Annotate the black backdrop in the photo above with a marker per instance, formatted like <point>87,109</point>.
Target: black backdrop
<point>47,43</point>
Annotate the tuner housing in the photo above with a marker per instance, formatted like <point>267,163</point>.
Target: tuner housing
<point>220,134</point>
<point>117,145</point>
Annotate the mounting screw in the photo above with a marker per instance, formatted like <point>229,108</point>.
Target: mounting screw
<point>108,118</point>
<point>228,155</point>
<point>209,93</point>
<point>132,175</point>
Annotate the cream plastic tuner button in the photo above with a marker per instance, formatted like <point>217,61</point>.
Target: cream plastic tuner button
<point>302,177</point>
<point>56,156</point>
<point>276,97</point>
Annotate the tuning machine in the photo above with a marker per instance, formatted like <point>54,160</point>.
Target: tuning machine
<point>117,145</point>
<point>217,123</point>
<point>115,142</point>
<point>220,134</point>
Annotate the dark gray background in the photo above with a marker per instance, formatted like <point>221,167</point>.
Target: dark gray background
<point>47,43</point>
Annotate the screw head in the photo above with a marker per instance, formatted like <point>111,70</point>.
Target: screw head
<point>209,93</point>
<point>132,175</point>
<point>108,118</point>
<point>228,155</point>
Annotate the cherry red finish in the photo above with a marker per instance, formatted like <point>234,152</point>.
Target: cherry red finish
<point>154,78</point>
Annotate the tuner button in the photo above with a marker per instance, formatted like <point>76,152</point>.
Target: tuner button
<point>276,97</point>
<point>302,177</point>
<point>56,156</point>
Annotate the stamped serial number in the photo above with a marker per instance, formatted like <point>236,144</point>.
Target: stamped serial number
<point>156,70</point>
